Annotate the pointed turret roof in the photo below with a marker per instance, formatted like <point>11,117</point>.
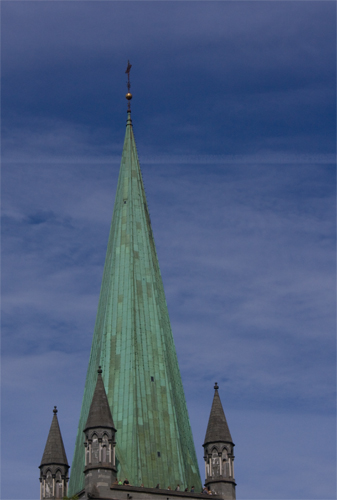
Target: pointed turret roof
<point>99,413</point>
<point>54,452</point>
<point>134,345</point>
<point>217,429</point>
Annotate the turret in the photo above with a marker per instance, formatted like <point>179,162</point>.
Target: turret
<point>100,462</point>
<point>54,464</point>
<point>218,452</point>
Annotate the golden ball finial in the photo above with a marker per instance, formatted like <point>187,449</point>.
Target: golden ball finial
<point>128,96</point>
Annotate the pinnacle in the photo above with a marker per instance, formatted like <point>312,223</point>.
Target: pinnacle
<point>99,413</point>
<point>54,452</point>
<point>217,429</point>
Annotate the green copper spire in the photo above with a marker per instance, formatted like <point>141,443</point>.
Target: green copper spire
<point>134,345</point>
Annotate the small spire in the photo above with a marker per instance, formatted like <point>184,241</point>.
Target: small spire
<point>128,95</point>
<point>54,452</point>
<point>217,428</point>
<point>99,412</point>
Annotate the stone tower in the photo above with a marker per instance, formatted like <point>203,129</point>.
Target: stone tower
<point>218,452</point>
<point>134,345</point>
<point>100,465</point>
<point>54,464</point>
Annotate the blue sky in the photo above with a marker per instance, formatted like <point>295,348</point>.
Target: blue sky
<point>234,119</point>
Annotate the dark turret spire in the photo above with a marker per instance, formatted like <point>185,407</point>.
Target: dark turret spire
<point>99,413</point>
<point>54,452</point>
<point>219,457</point>
<point>217,429</point>
<point>54,464</point>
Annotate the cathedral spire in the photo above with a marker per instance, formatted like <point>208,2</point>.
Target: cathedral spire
<point>134,345</point>
<point>54,464</point>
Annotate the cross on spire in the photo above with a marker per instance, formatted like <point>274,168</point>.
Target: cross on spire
<point>128,95</point>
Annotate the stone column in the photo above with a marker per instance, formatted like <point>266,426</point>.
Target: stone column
<point>113,454</point>
<point>220,463</point>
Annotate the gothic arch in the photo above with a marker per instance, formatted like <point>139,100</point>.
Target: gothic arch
<point>58,484</point>
<point>48,484</point>
<point>105,448</point>
<point>94,449</point>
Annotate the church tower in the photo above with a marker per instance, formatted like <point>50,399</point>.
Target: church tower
<point>218,452</point>
<point>54,464</point>
<point>100,466</point>
<point>134,345</point>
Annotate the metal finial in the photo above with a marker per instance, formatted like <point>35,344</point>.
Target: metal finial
<point>128,95</point>
<point>55,410</point>
<point>99,370</point>
<point>216,387</point>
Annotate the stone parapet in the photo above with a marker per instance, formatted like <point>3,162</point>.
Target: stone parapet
<point>220,480</point>
<point>139,493</point>
<point>118,492</point>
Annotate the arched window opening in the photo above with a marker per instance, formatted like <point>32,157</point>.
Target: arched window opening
<point>104,454</point>
<point>58,489</point>
<point>49,485</point>
<point>215,463</point>
<point>225,469</point>
<point>94,450</point>
<point>105,449</point>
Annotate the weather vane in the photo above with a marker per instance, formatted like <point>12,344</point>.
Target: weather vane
<point>128,95</point>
